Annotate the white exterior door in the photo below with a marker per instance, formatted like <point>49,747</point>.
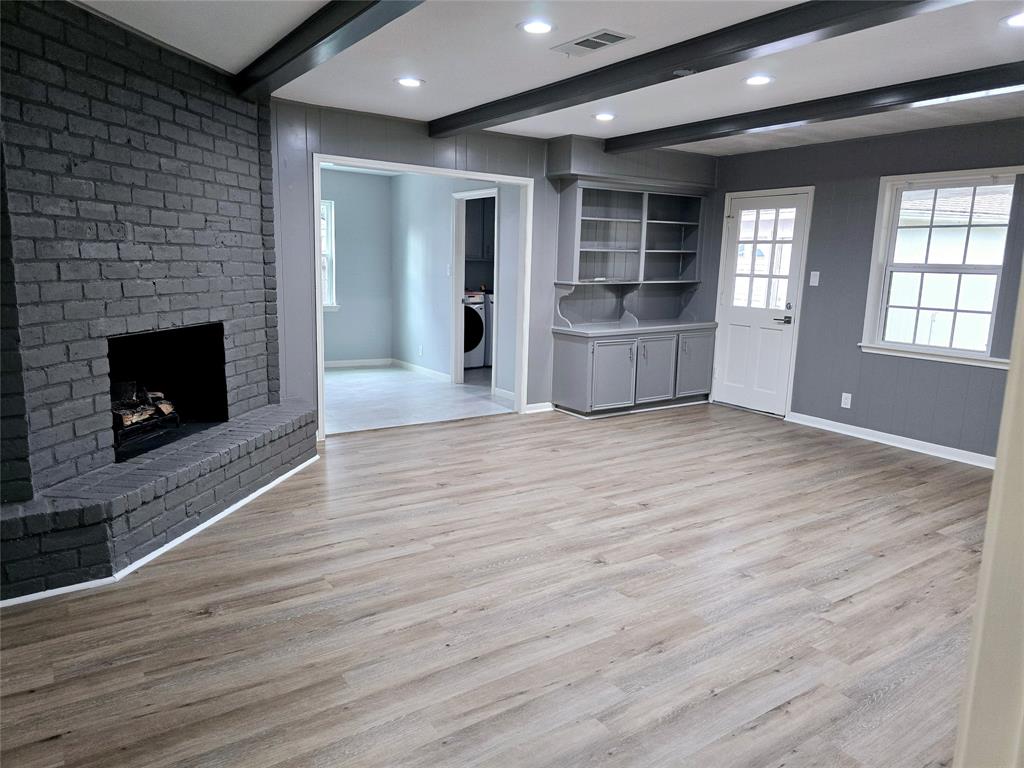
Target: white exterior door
<point>758,300</point>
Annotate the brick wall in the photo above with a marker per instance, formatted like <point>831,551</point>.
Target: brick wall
<point>139,193</point>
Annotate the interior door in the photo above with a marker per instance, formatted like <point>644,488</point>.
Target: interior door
<point>759,300</point>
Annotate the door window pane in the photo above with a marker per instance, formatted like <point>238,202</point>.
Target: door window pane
<point>766,224</point>
<point>747,219</point>
<point>759,293</point>
<point>939,291</point>
<point>905,289</point>
<point>778,293</point>
<point>953,206</point>
<point>783,253</point>
<point>899,325</point>
<point>762,259</point>
<point>934,328</point>
<point>986,245</point>
<point>971,331</point>
<point>916,207</point>
<point>977,292</point>
<point>947,245</point>
<point>911,246</point>
<point>740,292</point>
<point>743,258</point>
<point>787,219</point>
<point>992,204</point>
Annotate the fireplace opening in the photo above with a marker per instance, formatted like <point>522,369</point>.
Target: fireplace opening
<point>165,385</point>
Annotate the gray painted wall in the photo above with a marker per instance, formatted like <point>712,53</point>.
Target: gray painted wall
<point>360,328</point>
<point>300,130</point>
<point>949,404</point>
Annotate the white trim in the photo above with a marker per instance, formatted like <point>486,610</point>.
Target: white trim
<point>730,197</point>
<point>537,408</point>
<point>920,354</point>
<point>919,446</point>
<point>157,552</point>
<point>874,306</point>
<point>505,397</point>
<point>522,358</point>
<point>439,375</point>
<point>377,362</point>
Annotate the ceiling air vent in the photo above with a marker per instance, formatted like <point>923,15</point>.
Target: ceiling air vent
<point>595,41</point>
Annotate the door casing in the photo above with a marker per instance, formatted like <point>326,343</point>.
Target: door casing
<point>727,224</point>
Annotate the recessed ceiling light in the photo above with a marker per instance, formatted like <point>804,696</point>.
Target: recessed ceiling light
<point>1017,20</point>
<point>409,82</point>
<point>759,79</point>
<point>535,27</point>
<point>604,117</point>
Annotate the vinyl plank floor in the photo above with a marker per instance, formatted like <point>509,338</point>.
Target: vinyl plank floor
<point>693,587</point>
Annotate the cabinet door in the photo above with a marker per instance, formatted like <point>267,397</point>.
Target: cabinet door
<point>696,358</point>
<point>614,374</point>
<point>487,230</point>
<point>656,369</point>
<point>475,229</point>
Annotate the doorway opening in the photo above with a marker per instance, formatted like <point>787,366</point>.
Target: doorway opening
<point>405,254</point>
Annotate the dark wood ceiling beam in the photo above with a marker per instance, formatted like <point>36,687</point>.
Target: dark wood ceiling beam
<point>856,104</point>
<point>325,34</point>
<point>772,33</point>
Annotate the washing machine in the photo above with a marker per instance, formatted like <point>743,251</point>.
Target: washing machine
<point>474,330</point>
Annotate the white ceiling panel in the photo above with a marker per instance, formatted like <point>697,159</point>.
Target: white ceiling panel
<point>957,113</point>
<point>938,43</point>
<point>228,34</point>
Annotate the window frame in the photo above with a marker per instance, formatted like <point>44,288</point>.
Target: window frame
<point>329,289</point>
<point>886,220</point>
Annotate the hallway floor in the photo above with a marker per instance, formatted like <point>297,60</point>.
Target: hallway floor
<point>357,399</point>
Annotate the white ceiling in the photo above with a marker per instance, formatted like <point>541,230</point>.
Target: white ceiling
<point>472,52</point>
<point>229,34</point>
<point>959,38</point>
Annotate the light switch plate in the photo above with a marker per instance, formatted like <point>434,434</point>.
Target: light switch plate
<point>815,278</point>
<point>847,400</point>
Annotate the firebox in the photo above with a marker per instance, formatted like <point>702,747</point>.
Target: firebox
<point>165,385</point>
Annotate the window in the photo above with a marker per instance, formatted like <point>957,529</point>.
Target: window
<point>762,261</point>
<point>327,252</point>
<point>939,260</point>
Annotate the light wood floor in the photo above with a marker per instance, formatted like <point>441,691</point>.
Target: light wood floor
<point>696,587</point>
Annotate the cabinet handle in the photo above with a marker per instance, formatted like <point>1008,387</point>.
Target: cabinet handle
<point>645,350</point>
<point>631,354</point>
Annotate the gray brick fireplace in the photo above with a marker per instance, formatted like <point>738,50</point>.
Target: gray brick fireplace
<point>137,197</point>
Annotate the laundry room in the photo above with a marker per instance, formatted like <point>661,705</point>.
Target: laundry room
<point>418,287</point>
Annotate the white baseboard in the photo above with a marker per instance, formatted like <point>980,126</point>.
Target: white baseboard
<point>504,396</point>
<point>380,362</point>
<point>920,446</point>
<point>538,408</point>
<point>157,552</point>
<point>420,369</point>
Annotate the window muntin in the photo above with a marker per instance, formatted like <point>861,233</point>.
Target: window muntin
<point>943,264</point>
<point>327,255</point>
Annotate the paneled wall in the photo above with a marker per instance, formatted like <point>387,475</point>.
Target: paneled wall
<point>945,403</point>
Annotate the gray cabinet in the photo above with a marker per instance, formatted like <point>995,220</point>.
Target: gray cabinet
<point>696,359</point>
<point>656,368</point>
<point>613,379</point>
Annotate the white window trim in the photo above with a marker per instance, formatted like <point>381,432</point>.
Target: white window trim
<point>871,340</point>
<point>331,306</point>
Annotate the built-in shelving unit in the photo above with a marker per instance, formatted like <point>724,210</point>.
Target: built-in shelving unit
<point>626,256</point>
<point>628,267</point>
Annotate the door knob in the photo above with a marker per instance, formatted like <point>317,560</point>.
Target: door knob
<point>787,320</point>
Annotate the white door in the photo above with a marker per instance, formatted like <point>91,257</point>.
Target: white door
<point>759,300</point>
